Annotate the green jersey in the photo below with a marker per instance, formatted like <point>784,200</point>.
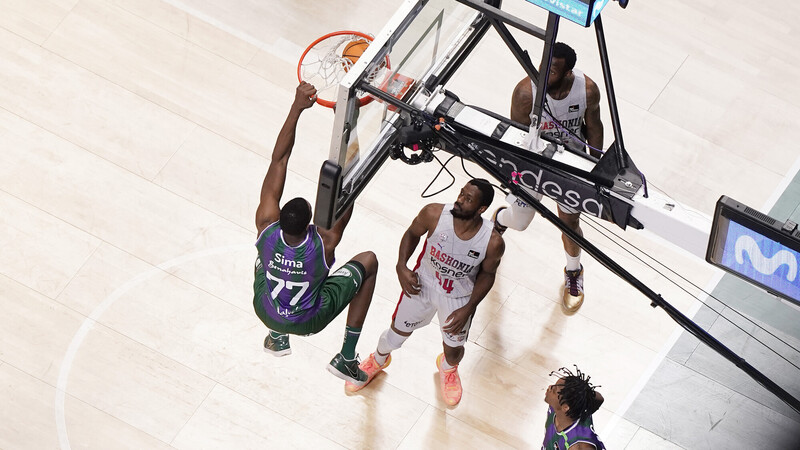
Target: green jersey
<point>295,275</point>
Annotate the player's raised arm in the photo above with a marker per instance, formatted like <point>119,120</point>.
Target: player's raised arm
<point>271,190</point>
<point>424,223</point>
<point>522,102</point>
<point>594,125</point>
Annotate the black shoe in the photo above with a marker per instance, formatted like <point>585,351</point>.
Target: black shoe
<point>348,370</point>
<point>278,346</point>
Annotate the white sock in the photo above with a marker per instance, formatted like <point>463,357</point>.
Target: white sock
<point>444,364</point>
<point>380,359</point>
<point>388,342</point>
<point>573,262</point>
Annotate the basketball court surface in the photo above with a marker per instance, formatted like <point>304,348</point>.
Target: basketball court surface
<point>135,136</point>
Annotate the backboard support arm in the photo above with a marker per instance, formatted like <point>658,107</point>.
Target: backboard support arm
<point>656,299</point>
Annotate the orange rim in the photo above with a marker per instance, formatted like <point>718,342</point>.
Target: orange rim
<point>329,103</point>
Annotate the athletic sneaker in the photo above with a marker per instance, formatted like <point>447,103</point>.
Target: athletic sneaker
<point>371,368</point>
<point>500,228</point>
<point>450,383</point>
<point>347,370</point>
<point>572,299</point>
<point>278,346</point>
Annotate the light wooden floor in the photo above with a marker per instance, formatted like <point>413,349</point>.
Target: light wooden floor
<point>134,135</point>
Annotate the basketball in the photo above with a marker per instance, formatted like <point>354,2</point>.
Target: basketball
<point>352,51</point>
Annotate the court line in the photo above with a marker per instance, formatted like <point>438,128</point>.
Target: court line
<point>676,334</point>
<point>92,319</point>
<point>776,195</point>
<point>281,48</point>
<point>211,20</point>
<point>656,362</point>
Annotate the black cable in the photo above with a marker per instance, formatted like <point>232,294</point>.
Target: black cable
<point>650,183</point>
<point>444,167</point>
<point>597,224</point>
<point>452,138</point>
<point>691,283</point>
<point>453,178</point>
<point>499,188</point>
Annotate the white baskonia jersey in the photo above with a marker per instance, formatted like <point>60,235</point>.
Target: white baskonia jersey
<point>569,110</point>
<point>449,265</point>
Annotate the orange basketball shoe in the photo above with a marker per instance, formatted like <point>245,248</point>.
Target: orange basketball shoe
<point>450,383</point>
<point>371,368</point>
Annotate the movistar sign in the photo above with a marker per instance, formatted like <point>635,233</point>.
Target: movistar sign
<point>577,11</point>
<point>763,260</point>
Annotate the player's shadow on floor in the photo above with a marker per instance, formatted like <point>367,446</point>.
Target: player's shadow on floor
<point>547,338</point>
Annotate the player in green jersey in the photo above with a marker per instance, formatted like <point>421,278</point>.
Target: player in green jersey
<point>293,292</point>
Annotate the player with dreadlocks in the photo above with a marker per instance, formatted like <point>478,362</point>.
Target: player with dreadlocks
<point>572,401</point>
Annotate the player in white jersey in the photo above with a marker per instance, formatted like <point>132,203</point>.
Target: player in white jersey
<point>573,100</point>
<point>454,272</point>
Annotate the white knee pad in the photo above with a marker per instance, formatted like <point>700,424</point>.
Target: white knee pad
<point>518,215</point>
<point>390,341</point>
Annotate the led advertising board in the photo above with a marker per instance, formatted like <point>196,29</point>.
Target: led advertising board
<point>582,12</point>
<point>756,247</point>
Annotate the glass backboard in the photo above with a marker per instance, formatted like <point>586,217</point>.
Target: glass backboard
<point>418,41</point>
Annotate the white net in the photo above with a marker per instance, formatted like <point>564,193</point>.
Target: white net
<point>324,66</point>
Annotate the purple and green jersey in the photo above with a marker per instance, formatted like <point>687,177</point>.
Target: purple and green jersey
<point>295,275</point>
<point>582,431</point>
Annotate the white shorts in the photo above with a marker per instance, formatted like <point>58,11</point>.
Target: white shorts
<point>416,311</point>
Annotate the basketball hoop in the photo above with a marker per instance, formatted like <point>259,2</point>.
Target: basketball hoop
<point>328,59</point>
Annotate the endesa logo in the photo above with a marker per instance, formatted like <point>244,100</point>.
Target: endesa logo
<point>762,260</point>
<point>538,180</point>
